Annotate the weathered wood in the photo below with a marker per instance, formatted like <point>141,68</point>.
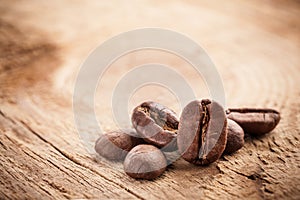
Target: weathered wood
<point>256,48</point>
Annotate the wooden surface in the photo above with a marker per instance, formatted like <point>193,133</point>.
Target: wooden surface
<point>254,44</point>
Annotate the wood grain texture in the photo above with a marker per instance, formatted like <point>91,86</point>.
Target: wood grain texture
<point>254,44</point>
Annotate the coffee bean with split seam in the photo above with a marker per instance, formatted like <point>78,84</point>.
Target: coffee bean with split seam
<point>156,124</point>
<point>202,132</point>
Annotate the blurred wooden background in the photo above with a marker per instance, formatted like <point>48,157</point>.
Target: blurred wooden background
<point>255,46</point>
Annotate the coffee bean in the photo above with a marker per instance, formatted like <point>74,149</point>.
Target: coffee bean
<point>202,132</point>
<point>255,121</point>
<point>157,124</point>
<point>235,137</point>
<point>145,162</point>
<point>115,145</point>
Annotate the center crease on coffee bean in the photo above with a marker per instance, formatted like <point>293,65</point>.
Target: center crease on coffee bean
<point>203,128</point>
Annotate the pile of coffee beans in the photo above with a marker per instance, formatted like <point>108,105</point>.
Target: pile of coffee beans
<point>203,134</point>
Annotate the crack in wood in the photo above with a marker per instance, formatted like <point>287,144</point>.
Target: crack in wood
<point>77,162</point>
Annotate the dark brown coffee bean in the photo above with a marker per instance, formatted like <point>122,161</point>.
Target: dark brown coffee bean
<point>145,162</point>
<point>115,145</point>
<point>202,132</point>
<point>255,121</point>
<point>235,137</point>
<point>156,124</point>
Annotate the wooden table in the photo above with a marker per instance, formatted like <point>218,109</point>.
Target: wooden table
<point>255,46</point>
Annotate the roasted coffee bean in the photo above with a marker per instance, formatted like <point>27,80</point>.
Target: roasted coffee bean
<point>202,132</point>
<point>255,121</point>
<point>145,162</point>
<point>235,137</point>
<point>115,145</point>
<point>156,123</point>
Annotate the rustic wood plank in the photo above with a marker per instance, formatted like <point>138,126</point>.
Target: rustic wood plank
<point>256,48</point>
